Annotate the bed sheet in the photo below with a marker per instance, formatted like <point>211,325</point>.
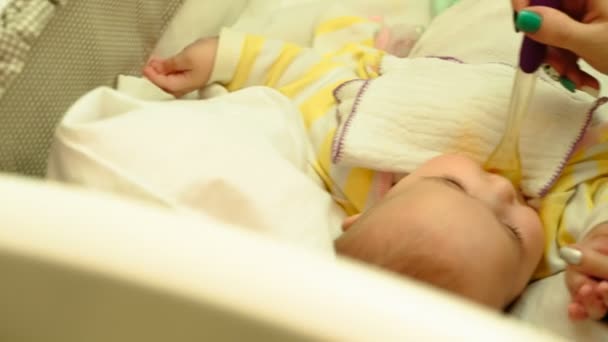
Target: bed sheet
<point>290,20</point>
<point>195,19</point>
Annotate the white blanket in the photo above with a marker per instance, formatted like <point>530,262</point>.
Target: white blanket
<point>242,158</point>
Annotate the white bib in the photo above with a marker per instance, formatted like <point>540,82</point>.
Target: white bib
<point>423,107</point>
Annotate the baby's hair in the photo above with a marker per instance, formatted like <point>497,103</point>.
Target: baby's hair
<point>413,256</point>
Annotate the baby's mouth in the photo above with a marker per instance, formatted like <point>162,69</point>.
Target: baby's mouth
<point>520,197</point>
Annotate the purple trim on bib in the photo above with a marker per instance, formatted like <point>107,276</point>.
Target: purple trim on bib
<point>544,190</point>
<point>338,143</point>
<point>447,58</point>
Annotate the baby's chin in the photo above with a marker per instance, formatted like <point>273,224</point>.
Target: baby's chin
<point>533,202</point>
<point>496,299</point>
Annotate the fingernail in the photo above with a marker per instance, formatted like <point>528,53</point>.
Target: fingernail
<point>528,21</point>
<point>515,21</point>
<point>568,84</point>
<point>551,72</point>
<point>591,91</point>
<point>571,256</point>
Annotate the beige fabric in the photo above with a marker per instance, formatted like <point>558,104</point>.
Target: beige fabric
<point>85,45</point>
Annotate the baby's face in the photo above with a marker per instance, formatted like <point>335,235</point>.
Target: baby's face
<point>476,220</point>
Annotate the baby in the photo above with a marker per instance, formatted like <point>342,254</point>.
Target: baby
<point>453,225</point>
<point>448,223</point>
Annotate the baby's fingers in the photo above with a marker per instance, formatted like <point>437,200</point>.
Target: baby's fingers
<point>577,312</point>
<point>176,83</point>
<point>593,303</point>
<point>176,64</point>
<point>602,290</point>
<point>155,73</point>
<point>587,299</point>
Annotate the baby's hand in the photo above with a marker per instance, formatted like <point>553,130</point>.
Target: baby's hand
<point>587,276</point>
<point>185,72</point>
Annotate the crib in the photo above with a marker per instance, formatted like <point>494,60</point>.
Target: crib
<point>81,264</point>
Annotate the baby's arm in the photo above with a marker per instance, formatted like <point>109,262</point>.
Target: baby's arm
<point>237,60</point>
<point>185,72</point>
<point>587,275</point>
<point>234,60</point>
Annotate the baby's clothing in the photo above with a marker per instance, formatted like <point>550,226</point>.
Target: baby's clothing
<point>578,201</point>
<point>342,51</point>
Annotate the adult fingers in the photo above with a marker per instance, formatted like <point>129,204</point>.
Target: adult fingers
<point>553,27</point>
<point>576,280</point>
<point>591,263</point>
<point>570,74</point>
<point>519,4</point>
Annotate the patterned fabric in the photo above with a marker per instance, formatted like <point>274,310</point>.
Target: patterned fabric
<point>52,52</point>
<point>22,22</point>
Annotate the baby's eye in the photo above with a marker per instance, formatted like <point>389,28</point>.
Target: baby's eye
<point>454,183</point>
<point>516,232</point>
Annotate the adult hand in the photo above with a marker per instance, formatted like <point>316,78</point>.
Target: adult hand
<point>587,275</point>
<point>578,30</point>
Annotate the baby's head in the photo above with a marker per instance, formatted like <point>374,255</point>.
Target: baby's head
<point>454,225</point>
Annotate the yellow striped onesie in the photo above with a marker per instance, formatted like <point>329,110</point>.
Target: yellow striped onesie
<point>342,50</point>
<point>578,201</point>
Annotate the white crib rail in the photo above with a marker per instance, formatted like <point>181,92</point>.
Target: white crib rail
<point>80,266</point>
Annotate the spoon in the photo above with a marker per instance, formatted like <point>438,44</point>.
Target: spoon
<point>506,160</point>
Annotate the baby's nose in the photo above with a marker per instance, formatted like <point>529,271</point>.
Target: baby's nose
<point>503,189</point>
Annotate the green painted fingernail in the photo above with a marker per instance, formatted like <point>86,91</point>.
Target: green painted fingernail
<point>568,84</point>
<point>528,21</point>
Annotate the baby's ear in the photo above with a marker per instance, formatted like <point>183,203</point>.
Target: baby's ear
<point>349,221</point>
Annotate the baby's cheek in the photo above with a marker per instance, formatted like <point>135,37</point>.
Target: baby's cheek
<point>536,234</point>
